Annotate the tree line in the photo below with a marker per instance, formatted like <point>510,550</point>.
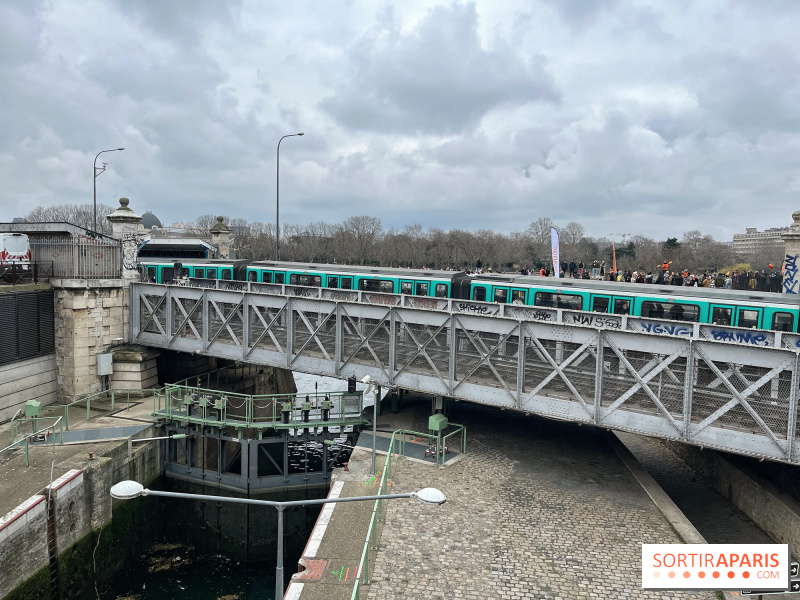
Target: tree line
<point>363,240</point>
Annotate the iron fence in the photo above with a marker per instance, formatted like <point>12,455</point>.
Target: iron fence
<point>79,257</point>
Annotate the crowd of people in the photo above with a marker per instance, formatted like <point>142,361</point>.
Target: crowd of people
<point>761,281</point>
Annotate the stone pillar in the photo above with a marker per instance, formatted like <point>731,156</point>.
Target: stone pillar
<point>135,367</point>
<point>791,240</point>
<point>220,239</point>
<point>125,227</point>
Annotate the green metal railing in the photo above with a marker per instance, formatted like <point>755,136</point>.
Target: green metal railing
<point>190,404</point>
<point>114,396</point>
<point>399,436</point>
<point>26,439</point>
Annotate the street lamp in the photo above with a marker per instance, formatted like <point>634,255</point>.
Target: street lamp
<point>96,173</point>
<point>125,490</point>
<point>277,197</point>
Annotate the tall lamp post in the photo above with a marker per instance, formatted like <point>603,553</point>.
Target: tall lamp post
<point>125,490</point>
<point>277,197</point>
<point>96,173</point>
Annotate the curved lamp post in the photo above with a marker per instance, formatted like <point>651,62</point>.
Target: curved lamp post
<point>125,490</point>
<point>277,197</point>
<point>96,173</point>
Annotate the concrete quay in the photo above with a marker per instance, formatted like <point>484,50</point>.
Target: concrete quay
<point>535,509</point>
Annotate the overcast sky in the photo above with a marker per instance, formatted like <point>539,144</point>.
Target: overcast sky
<point>627,116</point>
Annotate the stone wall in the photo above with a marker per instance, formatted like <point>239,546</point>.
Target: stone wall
<point>82,506</point>
<point>32,379</point>
<point>89,314</point>
<point>778,515</point>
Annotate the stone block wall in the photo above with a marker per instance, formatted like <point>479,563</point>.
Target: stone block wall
<point>135,367</point>
<point>32,379</point>
<point>23,543</point>
<point>89,314</point>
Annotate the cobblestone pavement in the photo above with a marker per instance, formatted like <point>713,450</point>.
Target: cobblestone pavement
<point>535,509</point>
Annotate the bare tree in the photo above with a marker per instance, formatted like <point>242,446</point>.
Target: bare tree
<point>81,215</point>
<point>364,231</point>
<point>572,234</point>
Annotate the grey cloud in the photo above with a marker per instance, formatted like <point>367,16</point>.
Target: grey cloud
<point>436,79</point>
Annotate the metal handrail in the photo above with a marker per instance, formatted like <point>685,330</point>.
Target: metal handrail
<point>26,440</point>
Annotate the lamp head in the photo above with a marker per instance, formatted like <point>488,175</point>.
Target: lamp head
<point>430,496</point>
<point>120,148</point>
<point>366,379</point>
<point>125,490</point>
<point>301,134</point>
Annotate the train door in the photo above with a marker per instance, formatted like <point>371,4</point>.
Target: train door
<point>422,288</point>
<point>406,287</point>
<point>266,277</point>
<point>333,281</point>
<point>749,317</point>
<point>601,304</point>
<point>279,277</point>
<point>517,296</point>
<point>347,283</point>
<point>500,295</point>
<point>721,314</point>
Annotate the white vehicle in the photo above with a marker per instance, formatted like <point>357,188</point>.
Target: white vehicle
<point>14,250</point>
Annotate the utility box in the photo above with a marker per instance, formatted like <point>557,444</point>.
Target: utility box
<point>32,408</point>
<point>437,423</point>
<point>105,364</point>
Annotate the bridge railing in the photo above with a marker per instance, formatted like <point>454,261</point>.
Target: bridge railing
<point>540,314</point>
<point>271,411</point>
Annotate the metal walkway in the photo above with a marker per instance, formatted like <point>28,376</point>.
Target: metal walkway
<point>668,380</point>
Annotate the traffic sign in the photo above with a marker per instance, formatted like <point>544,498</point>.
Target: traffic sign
<point>793,587</point>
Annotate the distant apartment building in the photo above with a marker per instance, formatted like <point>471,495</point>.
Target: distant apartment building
<point>754,240</point>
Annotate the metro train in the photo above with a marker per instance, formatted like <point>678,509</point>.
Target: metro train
<point>758,310</point>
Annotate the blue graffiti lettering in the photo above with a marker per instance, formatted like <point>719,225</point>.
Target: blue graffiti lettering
<point>790,279</point>
<point>668,328</point>
<point>740,337</point>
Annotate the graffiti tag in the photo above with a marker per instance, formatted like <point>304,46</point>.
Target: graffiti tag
<point>388,300</point>
<point>790,279</point>
<point>740,337</point>
<point>595,321</point>
<point>667,328</point>
<point>424,303</point>
<point>473,308</point>
<point>304,293</point>
<point>130,243</point>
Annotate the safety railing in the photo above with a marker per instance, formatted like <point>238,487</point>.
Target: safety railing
<point>39,435</point>
<point>81,257</point>
<point>106,401</point>
<point>16,273</point>
<point>273,411</point>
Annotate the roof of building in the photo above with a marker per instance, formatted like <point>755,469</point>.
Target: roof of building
<point>149,220</point>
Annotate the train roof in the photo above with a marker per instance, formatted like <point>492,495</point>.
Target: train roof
<point>366,270</point>
<point>619,288</point>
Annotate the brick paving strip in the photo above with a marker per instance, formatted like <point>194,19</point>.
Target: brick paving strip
<point>535,509</point>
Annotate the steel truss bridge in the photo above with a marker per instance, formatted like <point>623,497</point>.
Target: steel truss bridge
<point>670,380</point>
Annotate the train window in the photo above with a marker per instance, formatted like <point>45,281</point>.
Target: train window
<point>568,301</point>
<point>211,274</point>
<point>198,272</point>
<point>518,296</point>
<point>674,312</point>
<point>406,287</point>
<point>422,289</point>
<point>333,282</point>
<point>167,274</point>
<point>306,280</point>
<point>347,283</point>
<point>279,277</point>
<point>500,295</point>
<point>479,294</point>
<point>622,306</point>
<point>748,318</point>
<point>227,274</point>
<point>252,276</point>
<point>600,304</point>
<point>266,277</point>
<point>721,315</point>
<point>151,273</point>
<point>441,290</point>
<point>782,321</point>
<point>376,285</point>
